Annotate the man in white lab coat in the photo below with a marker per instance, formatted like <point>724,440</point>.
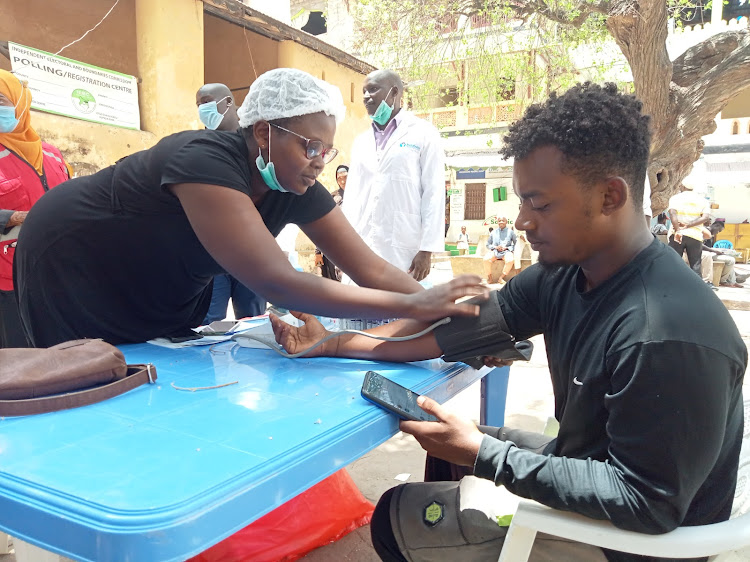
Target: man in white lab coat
<point>395,194</point>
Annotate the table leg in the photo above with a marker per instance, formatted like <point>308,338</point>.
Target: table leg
<point>26,552</point>
<point>4,548</point>
<point>494,390</point>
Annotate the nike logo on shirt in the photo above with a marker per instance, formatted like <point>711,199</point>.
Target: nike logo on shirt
<point>576,381</point>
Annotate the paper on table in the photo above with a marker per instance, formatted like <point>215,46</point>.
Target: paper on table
<point>242,326</point>
<point>264,331</point>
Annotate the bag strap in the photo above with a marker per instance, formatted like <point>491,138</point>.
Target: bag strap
<point>136,376</point>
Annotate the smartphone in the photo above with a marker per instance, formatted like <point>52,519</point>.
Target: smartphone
<point>393,397</point>
<point>183,336</point>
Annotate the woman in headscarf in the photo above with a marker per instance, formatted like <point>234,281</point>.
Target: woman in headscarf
<point>28,168</point>
<point>128,254</point>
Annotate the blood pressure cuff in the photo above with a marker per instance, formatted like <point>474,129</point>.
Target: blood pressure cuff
<point>470,338</point>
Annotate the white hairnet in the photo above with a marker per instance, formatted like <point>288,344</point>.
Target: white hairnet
<point>288,92</point>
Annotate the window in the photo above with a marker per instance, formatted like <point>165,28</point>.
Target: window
<point>447,23</point>
<point>474,202</point>
<point>449,97</point>
<point>480,20</point>
<point>500,194</point>
<point>736,128</point>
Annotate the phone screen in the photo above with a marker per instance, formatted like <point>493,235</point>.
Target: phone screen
<point>393,397</point>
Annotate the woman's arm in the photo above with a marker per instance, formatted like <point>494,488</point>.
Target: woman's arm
<point>334,235</point>
<point>232,231</point>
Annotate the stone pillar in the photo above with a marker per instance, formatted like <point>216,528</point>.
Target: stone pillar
<point>169,35</point>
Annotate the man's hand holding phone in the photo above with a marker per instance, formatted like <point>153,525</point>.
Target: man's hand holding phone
<point>451,438</point>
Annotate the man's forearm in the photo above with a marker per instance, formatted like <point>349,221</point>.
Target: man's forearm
<point>356,346</point>
<point>700,220</point>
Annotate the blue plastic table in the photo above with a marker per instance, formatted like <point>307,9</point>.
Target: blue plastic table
<point>162,474</point>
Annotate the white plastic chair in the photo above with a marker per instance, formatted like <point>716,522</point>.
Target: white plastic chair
<point>684,542</point>
<point>725,539</point>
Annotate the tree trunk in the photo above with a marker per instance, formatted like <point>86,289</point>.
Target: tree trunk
<point>683,97</point>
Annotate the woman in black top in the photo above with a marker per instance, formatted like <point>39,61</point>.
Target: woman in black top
<point>128,253</point>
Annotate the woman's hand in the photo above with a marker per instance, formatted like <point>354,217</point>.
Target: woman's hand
<point>294,339</point>
<point>451,438</point>
<point>440,301</point>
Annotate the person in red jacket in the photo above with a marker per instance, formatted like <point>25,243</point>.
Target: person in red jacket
<point>28,168</point>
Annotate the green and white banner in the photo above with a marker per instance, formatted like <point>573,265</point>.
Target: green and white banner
<point>76,89</point>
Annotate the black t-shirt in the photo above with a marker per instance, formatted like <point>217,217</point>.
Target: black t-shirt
<point>113,255</point>
<point>647,372</point>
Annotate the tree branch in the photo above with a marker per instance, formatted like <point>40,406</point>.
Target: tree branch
<point>724,80</point>
<point>693,64</point>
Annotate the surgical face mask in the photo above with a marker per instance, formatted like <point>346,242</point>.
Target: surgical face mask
<point>383,112</point>
<point>209,114</point>
<point>268,171</point>
<point>8,119</point>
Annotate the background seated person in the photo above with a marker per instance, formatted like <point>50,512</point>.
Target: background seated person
<point>501,244</point>
<point>728,274</point>
<point>649,402</point>
<point>128,254</point>
<point>661,225</point>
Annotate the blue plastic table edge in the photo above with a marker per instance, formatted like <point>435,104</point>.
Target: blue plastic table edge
<point>39,513</point>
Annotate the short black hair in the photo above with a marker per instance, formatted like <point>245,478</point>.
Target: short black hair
<point>600,131</point>
<point>662,217</point>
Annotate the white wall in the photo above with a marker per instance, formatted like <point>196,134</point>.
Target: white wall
<point>734,203</point>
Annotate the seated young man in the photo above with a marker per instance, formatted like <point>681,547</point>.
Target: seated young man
<point>729,277</point>
<point>648,391</point>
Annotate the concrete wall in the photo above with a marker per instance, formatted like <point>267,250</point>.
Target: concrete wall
<point>89,147</point>
<point>48,25</point>
<point>169,37</point>
<point>738,107</point>
<point>229,60</point>
<point>734,202</point>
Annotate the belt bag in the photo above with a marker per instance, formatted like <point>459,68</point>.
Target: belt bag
<point>68,375</point>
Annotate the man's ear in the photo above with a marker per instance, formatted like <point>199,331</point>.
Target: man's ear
<point>616,195</point>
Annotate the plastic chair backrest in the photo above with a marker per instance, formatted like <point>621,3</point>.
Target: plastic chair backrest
<point>726,244</point>
<point>683,542</point>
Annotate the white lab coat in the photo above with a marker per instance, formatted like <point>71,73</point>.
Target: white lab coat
<point>395,198</point>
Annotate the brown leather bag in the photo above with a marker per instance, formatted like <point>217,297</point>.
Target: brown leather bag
<point>68,375</point>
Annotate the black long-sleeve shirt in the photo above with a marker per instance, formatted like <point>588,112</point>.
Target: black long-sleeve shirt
<point>647,374</point>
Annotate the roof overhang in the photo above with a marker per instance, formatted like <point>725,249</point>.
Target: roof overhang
<point>237,13</point>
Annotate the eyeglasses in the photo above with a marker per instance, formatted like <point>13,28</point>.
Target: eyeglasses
<point>315,148</point>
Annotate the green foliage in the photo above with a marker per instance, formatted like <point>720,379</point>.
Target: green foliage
<point>488,52</point>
